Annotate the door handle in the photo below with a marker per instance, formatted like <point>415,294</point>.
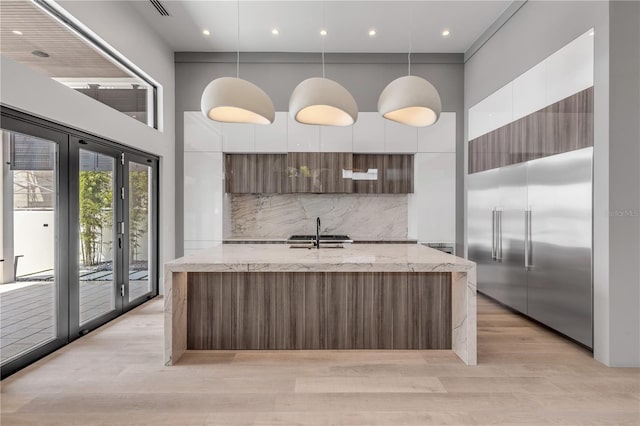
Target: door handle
<point>528,248</point>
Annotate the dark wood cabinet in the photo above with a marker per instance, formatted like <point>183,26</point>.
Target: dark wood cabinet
<point>316,310</point>
<point>395,173</point>
<point>361,164</point>
<point>564,126</point>
<point>256,173</point>
<point>570,123</point>
<point>528,138</point>
<point>317,172</point>
<point>333,166</point>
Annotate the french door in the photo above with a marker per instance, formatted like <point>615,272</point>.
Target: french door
<point>113,227</point>
<point>79,234</point>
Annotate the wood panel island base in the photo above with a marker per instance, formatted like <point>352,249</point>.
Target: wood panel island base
<point>271,297</point>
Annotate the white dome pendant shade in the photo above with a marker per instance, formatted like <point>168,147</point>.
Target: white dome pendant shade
<point>410,100</point>
<point>234,100</point>
<point>322,102</point>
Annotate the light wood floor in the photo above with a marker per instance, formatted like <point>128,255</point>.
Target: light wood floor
<point>526,375</point>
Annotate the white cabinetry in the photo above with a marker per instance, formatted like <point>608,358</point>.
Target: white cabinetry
<point>570,69</point>
<point>564,73</point>
<point>493,112</point>
<point>238,137</point>
<point>273,137</point>
<point>432,207</point>
<point>200,133</point>
<point>203,196</point>
<point>440,137</point>
<point>302,137</point>
<point>368,133</point>
<point>400,138</point>
<point>529,91</point>
<point>336,139</point>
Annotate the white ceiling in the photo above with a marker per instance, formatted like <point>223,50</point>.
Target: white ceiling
<point>299,24</point>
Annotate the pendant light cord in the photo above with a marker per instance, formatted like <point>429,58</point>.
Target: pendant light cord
<point>238,39</point>
<point>410,41</point>
<point>323,38</point>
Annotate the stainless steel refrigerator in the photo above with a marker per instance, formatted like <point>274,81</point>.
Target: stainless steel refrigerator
<point>530,232</point>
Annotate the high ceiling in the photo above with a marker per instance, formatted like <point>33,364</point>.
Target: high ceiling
<point>396,23</point>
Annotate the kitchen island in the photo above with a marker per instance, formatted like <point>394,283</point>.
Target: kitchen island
<point>363,296</point>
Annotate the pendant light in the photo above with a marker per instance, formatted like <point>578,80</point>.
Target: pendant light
<point>321,101</point>
<point>410,100</point>
<point>234,100</point>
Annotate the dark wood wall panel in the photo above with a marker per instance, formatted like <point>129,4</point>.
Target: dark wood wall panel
<point>564,126</point>
<point>268,310</point>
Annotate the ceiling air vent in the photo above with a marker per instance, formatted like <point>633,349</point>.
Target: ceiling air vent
<point>159,7</point>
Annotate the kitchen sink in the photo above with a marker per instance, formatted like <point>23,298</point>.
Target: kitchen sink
<point>326,241</point>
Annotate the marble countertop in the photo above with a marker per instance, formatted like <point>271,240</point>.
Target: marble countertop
<point>352,258</point>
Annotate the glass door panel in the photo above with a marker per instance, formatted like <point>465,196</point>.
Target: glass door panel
<point>97,231</point>
<point>29,278</point>
<point>140,229</point>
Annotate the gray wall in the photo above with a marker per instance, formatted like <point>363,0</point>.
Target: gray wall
<point>624,182</point>
<point>364,75</point>
<point>535,31</point>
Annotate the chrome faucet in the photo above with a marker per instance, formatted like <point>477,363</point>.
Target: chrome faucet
<point>317,233</point>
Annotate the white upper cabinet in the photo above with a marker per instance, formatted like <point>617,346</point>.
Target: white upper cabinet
<point>200,133</point>
<point>336,139</point>
<point>570,69</point>
<point>564,73</point>
<point>529,91</point>
<point>400,138</point>
<point>434,199</point>
<point>440,137</point>
<point>273,137</point>
<point>203,195</point>
<point>302,137</point>
<point>368,133</point>
<point>238,137</point>
<point>493,112</point>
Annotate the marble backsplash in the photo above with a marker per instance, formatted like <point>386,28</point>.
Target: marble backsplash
<point>361,216</point>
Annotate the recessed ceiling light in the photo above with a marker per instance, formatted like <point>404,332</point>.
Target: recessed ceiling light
<point>206,32</point>
<point>323,32</point>
<point>372,32</point>
<point>445,33</point>
<point>591,33</point>
<point>275,31</point>
<point>16,32</point>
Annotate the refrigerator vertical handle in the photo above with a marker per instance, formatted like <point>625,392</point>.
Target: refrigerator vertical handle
<point>493,234</point>
<point>528,252</point>
<point>499,243</point>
